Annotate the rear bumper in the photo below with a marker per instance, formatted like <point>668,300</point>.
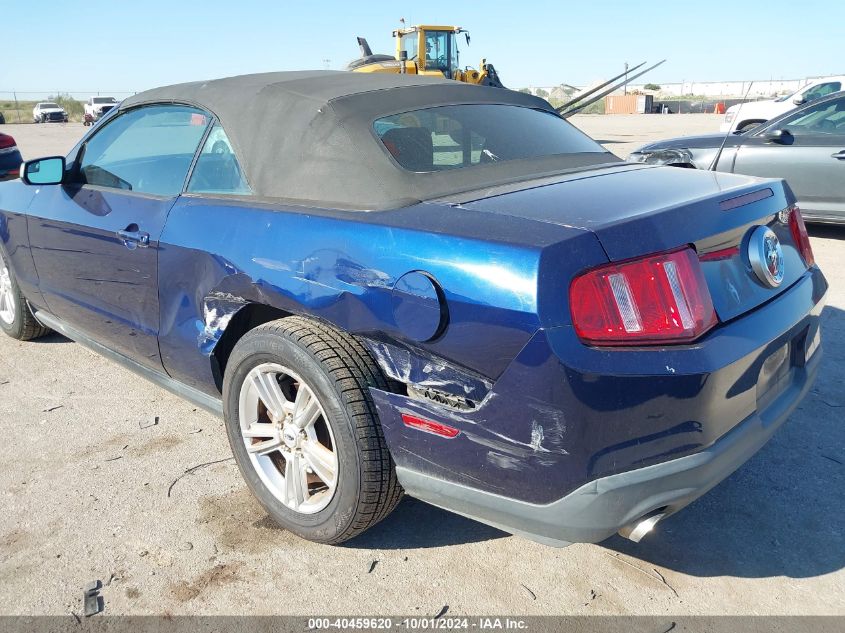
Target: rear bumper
<point>573,443</point>
<point>602,507</point>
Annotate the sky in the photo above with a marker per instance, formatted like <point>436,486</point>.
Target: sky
<point>120,46</point>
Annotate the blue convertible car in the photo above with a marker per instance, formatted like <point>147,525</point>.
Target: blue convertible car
<point>392,283</point>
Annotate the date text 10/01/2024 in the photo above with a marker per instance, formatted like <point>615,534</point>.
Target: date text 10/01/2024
<point>415,623</point>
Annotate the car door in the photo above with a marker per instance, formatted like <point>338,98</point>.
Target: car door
<point>95,238</point>
<point>810,156</point>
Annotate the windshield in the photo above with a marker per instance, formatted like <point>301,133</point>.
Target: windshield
<point>453,137</point>
<point>47,105</point>
<point>104,100</point>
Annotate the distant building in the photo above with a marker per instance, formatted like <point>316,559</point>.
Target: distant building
<point>759,88</point>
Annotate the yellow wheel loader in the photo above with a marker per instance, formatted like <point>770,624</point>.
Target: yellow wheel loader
<point>426,50</point>
<point>433,50</point>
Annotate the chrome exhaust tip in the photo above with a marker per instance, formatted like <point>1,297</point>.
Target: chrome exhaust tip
<point>638,529</point>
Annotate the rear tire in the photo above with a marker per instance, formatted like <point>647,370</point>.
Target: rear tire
<point>320,468</point>
<point>16,319</point>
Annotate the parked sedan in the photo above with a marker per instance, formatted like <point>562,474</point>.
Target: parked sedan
<point>10,158</point>
<point>806,146</point>
<point>47,112</point>
<point>408,283</point>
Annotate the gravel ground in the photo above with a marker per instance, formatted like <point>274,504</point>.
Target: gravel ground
<point>94,488</point>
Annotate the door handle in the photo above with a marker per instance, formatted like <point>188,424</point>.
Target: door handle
<point>839,155</point>
<point>133,238</point>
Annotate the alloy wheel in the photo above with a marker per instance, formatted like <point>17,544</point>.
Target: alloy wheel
<point>7,296</point>
<point>288,438</point>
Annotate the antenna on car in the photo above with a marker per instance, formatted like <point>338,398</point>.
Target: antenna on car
<point>728,135</point>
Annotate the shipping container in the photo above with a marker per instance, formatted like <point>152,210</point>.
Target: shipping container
<point>628,104</point>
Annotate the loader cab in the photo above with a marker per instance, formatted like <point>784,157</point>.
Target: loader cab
<point>434,49</point>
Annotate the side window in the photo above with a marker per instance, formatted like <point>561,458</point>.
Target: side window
<point>822,90</point>
<point>146,150</point>
<point>409,44</point>
<point>824,118</point>
<point>217,169</point>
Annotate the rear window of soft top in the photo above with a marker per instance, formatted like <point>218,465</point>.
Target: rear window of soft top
<point>458,136</point>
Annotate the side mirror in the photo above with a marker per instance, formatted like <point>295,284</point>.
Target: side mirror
<point>44,171</point>
<point>783,137</point>
<point>799,100</point>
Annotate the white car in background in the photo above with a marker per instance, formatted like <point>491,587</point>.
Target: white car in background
<point>46,111</point>
<point>98,106</point>
<point>747,115</point>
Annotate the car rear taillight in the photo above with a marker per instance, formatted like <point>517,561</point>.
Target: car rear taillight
<point>6,141</point>
<point>800,236</point>
<point>656,299</point>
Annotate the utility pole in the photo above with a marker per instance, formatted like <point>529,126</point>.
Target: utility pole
<point>625,87</point>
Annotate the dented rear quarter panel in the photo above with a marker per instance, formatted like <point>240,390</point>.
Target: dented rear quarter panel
<point>218,255</point>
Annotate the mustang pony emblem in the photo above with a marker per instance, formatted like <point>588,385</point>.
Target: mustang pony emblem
<point>766,256</point>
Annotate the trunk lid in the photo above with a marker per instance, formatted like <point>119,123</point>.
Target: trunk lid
<point>641,210</point>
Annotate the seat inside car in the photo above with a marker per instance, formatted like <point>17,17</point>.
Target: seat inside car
<point>216,172</point>
<point>411,147</point>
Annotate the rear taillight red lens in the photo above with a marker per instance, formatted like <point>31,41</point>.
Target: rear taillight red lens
<point>661,298</point>
<point>800,236</point>
<point>6,141</point>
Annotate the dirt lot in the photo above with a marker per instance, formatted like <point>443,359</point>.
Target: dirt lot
<point>94,489</point>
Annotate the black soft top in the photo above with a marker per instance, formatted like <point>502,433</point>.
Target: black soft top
<point>307,137</point>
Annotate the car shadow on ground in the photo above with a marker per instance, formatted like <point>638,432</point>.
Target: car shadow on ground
<point>415,524</point>
<point>781,513</point>
<point>828,231</point>
<point>50,338</point>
